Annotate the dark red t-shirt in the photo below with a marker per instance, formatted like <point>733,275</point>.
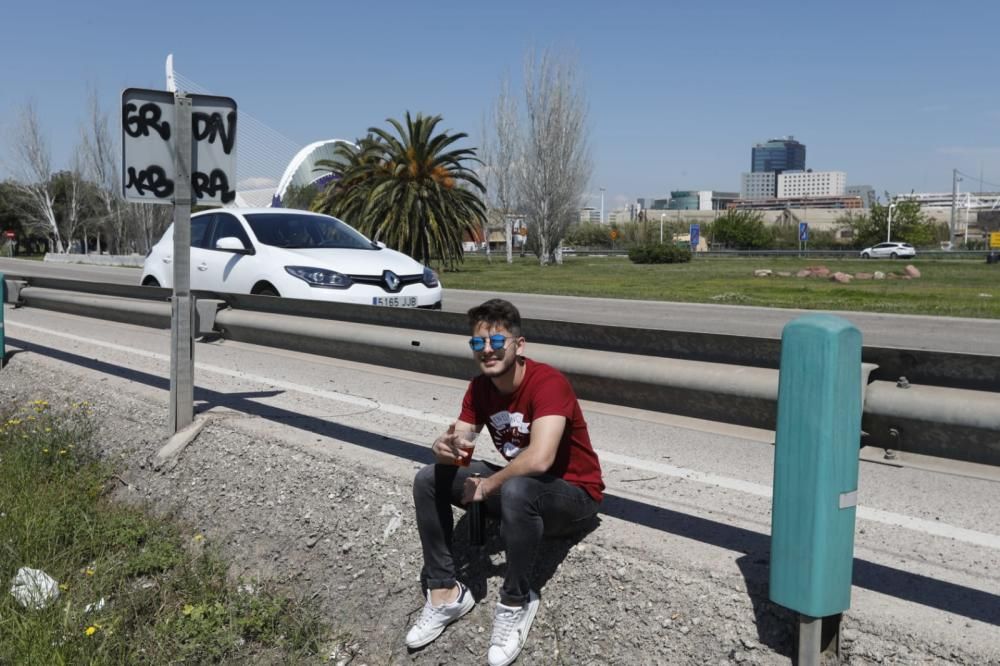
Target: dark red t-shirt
<point>544,391</point>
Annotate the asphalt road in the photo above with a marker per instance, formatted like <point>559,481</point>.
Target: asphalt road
<point>927,544</point>
<point>953,334</point>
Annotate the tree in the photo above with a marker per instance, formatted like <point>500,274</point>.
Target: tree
<point>33,171</point>
<point>741,229</point>
<point>354,168</point>
<point>501,156</point>
<point>409,189</point>
<point>909,224</point>
<point>100,164</point>
<point>300,197</point>
<point>556,157</point>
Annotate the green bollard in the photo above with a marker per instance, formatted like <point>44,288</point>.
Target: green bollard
<point>816,477</point>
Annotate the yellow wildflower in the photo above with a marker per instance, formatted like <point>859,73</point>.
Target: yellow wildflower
<point>89,571</point>
<point>188,608</point>
<point>45,450</point>
<point>91,630</point>
<point>62,452</point>
<point>198,537</point>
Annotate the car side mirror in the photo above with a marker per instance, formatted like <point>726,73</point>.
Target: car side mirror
<point>232,244</point>
<point>380,244</point>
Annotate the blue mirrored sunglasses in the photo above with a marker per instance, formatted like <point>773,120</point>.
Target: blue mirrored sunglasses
<point>496,342</point>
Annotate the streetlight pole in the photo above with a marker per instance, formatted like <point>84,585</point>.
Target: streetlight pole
<point>661,227</point>
<point>888,229</point>
<point>602,205</point>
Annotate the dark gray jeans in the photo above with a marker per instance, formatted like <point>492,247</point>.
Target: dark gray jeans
<point>529,507</point>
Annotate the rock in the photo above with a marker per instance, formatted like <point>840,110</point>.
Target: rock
<point>878,275</point>
<point>762,272</point>
<point>864,276</point>
<point>783,274</point>
<point>820,271</point>
<point>912,271</point>
<point>842,278</point>
<point>805,272</point>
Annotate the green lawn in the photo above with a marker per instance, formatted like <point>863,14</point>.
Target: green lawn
<point>964,288</point>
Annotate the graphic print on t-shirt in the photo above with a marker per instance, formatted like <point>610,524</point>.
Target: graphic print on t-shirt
<point>511,433</point>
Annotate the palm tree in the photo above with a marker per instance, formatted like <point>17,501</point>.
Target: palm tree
<point>408,189</point>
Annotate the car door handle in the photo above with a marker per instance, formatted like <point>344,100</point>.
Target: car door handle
<point>202,267</point>
<point>167,260</point>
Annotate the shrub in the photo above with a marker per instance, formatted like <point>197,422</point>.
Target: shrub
<point>656,253</point>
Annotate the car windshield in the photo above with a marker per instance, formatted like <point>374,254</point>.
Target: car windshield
<point>291,230</point>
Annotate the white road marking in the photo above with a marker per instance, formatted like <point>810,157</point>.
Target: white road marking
<point>747,487</point>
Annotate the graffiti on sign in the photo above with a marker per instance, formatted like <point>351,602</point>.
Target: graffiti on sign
<point>148,146</point>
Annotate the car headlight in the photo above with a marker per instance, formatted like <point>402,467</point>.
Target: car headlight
<point>430,278</point>
<point>320,277</point>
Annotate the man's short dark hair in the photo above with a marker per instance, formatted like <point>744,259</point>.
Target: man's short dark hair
<point>496,312</point>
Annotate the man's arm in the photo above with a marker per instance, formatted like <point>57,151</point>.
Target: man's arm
<point>536,458</point>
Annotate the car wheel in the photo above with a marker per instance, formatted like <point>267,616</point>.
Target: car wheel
<point>150,282</point>
<point>894,255</point>
<point>865,255</point>
<point>267,290</point>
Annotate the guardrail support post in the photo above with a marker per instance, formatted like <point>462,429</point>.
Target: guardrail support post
<point>816,478</point>
<point>182,318</point>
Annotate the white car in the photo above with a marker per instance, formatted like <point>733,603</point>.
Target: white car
<point>891,250</point>
<point>292,253</point>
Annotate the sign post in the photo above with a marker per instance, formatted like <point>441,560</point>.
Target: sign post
<point>803,236</point>
<point>694,231</point>
<point>181,330</point>
<point>179,149</point>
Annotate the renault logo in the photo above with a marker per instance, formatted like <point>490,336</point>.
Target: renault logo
<point>391,280</point>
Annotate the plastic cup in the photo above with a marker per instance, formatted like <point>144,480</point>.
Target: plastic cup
<point>466,445</point>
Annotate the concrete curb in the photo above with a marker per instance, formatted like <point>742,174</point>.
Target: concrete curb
<point>172,450</point>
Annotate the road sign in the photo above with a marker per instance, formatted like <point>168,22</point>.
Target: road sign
<point>803,231</point>
<point>994,239</point>
<point>695,232</point>
<point>9,233</point>
<point>149,126</point>
<point>614,234</point>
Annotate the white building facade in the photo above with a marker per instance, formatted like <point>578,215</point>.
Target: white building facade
<point>758,185</point>
<point>811,184</point>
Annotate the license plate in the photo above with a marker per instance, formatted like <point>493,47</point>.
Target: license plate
<point>395,301</point>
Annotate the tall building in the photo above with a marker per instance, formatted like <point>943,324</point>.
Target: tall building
<point>811,184</point>
<point>777,155</point>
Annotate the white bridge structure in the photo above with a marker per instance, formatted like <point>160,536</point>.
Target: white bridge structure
<point>973,201</point>
<point>268,163</point>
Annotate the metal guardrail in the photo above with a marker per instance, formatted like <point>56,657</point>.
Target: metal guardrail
<point>804,254</point>
<point>948,408</point>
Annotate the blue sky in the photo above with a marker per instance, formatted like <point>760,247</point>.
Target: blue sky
<point>894,93</point>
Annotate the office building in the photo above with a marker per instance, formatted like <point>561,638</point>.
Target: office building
<point>759,185</point>
<point>811,184</point>
<point>866,192</point>
<point>700,200</point>
<point>777,155</point>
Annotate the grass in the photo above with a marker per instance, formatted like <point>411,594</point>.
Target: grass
<point>166,594</point>
<point>946,287</point>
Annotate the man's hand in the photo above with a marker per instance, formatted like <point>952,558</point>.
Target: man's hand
<point>477,489</point>
<point>447,448</point>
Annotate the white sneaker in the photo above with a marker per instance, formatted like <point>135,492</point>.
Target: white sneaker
<point>510,630</point>
<point>433,619</point>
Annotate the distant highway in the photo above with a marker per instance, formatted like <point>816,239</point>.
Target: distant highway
<point>954,334</point>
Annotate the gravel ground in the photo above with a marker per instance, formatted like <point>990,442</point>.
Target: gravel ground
<point>328,528</point>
